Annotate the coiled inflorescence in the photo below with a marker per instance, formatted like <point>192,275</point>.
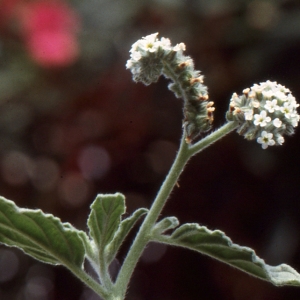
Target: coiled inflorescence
<point>266,112</point>
<point>151,58</point>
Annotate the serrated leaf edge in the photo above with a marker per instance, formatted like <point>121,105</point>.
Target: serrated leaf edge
<point>101,243</point>
<point>64,227</point>
<point>113,247</point>
<point>280,275</point>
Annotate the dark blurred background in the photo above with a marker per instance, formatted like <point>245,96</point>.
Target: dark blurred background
<point>73,124</point>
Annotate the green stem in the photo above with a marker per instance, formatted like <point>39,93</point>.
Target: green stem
<point>104,273</point>
<point>89,281</point>
<point>143,236</point>
<point>213,137</point>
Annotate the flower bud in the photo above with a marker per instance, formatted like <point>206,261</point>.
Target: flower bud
<point>266,112</point>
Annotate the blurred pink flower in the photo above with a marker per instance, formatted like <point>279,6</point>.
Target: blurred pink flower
<point>49,29</point>
<point>52,48</point>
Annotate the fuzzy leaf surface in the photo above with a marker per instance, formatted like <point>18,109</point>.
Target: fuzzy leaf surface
<point>40,235</point>
<point>125,227</point>
<point>164,225</point>
<point>217,245</point>
<point>105,218</point>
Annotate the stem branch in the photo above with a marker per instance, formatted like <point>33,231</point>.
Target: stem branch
<point>213,137</point>
<point>185,152</point>
<point>89,281</point>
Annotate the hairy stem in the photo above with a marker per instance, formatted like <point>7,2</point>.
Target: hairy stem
<point>213,137</point>
<point>143,236</point>
<point>90,282</point>
<point>103,271</point>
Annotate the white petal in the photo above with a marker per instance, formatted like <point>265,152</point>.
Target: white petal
<point>277,123</point>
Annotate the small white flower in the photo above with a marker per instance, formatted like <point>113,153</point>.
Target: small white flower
<point>256,88</point>
<point>280,140</point>
<point>291,101</point>
<point>261,119</point>
<point>165,43</point>
<point>234,97</point>
<point>266,139</point>
<point>179,47</point>
<point>271,106</point>
<point>136,56</point>
<point>248,114</point>
<point>148,43</point>
<point>277,123</point>
<point>129,64</point>
<point>287,110</point>
<point>255,103</point>
<point>251,94</point>
<point>282,88</point>
<point>280,95</point>
<point>268,94</point>
<point>295,119</point>
<point>134,46</point>
<point>269,85</point>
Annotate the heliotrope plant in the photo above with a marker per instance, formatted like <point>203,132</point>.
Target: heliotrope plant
<point>266,112</point>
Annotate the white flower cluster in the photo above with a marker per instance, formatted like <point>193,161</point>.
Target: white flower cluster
<point>266,112</point>
<point>146,56</point>
<point>151,57</point>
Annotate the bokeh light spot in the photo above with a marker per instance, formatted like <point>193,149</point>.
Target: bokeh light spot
<point>39,283</point>
<point>16,168</point>
<point>38,288</point>
<point>94,162</point>
<point>53,48</point>
<point>153,253</point>
<point>45,174</point>
<point>9,265</point>
<point>73,189</point>
<point>262,14</point>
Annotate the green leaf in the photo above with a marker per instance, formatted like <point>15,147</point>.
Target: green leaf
<point>105,218</point>
<point>88,244</point>
<point>217,245</point>
<point>122,232</point>
<point>40,235</point>
<point>164,225</point>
